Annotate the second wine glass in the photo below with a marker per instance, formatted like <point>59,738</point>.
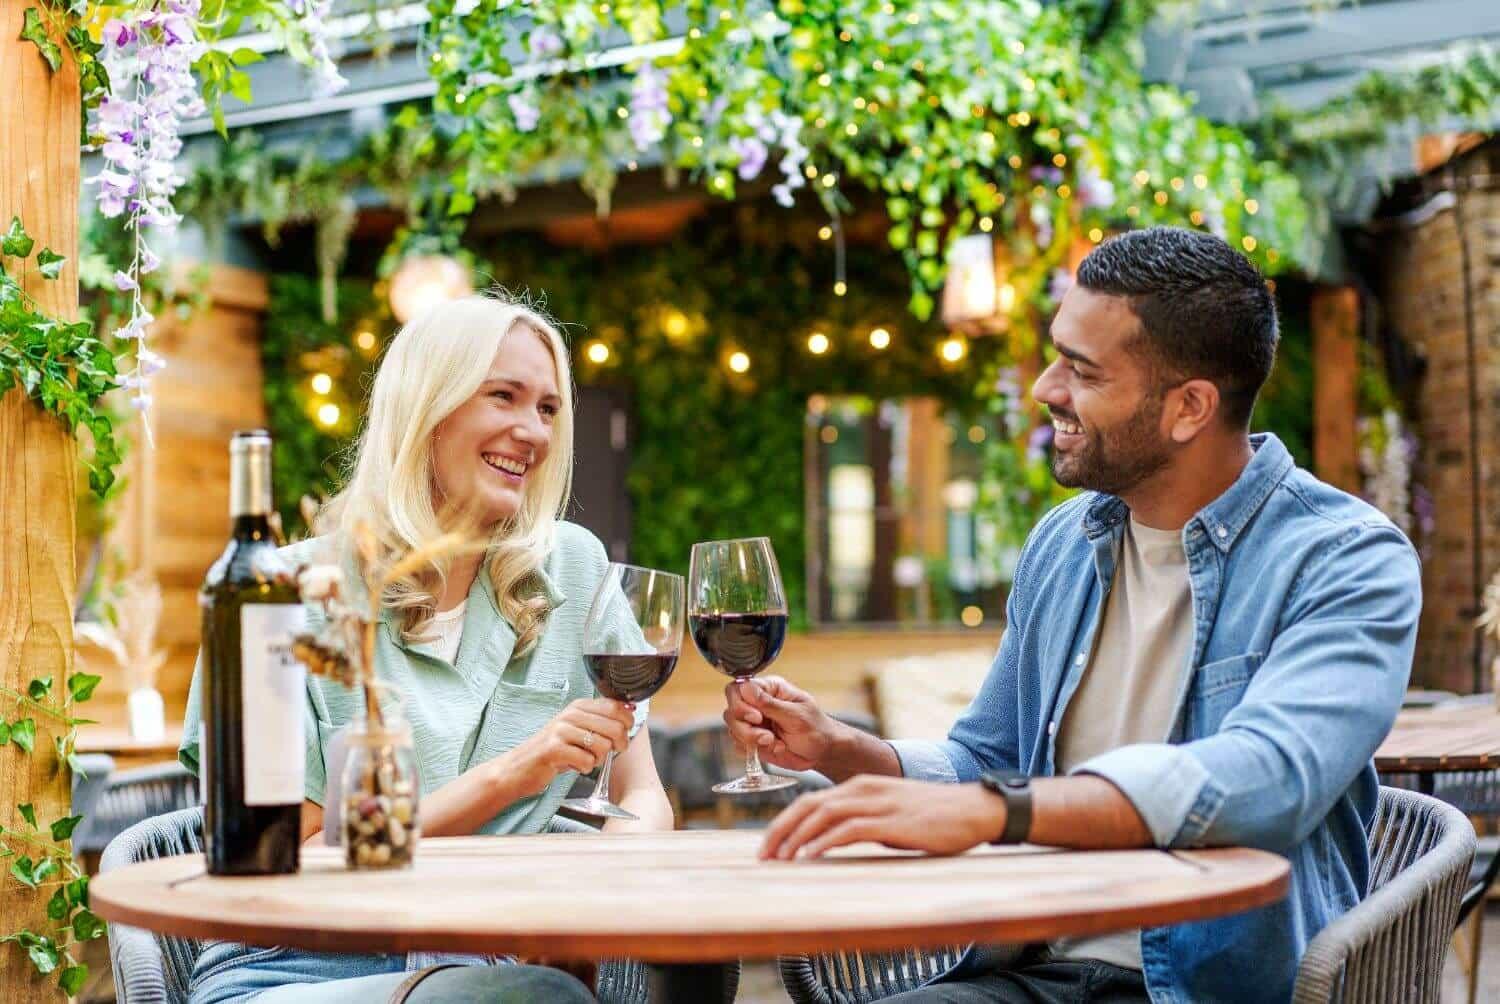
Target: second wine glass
<point>737,613</point>
<point>631,640</point>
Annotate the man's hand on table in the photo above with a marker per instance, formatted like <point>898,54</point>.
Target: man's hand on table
<point>897,812</point>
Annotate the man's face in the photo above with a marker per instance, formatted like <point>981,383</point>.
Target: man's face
<point>1105,404</point>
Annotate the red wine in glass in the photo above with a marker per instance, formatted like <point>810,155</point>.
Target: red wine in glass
<point>737,615</point>
<point>630,678</point>
<point>739,645</point>
<point>631,638</point>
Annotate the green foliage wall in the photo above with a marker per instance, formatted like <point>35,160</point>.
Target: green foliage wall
<point>715,453</point>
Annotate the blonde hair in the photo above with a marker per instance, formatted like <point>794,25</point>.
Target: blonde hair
<point>434,364</point>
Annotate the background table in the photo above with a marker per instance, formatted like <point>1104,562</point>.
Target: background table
<point>686,897</point>
<point>1428,741</point>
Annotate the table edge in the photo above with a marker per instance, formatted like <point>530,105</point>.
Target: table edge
<point>690,947</point>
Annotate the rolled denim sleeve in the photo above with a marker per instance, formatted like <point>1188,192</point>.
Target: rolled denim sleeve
<point>1321,701</point>
<point>986,737</point>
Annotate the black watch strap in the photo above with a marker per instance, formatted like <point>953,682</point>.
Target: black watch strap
<point>1016,790</point>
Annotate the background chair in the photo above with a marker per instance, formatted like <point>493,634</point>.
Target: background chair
<point>154,968</point>
<point>702,754</point>
<point>1388,948</point>
<point>126,797</point>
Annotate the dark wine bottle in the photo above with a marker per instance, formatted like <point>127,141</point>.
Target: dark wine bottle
<point>253,687</point>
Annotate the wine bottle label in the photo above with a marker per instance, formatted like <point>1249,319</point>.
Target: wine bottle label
<point>273,689</point>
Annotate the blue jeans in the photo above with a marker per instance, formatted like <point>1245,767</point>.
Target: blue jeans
<point>228,973</point>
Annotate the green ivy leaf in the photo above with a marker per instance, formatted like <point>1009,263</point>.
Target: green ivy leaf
<point>57,906</point>
<point>28,813</point>
<point>43,955</point>
<point>39,688</point>
<point>4,732</point>
<point>50,263</point>
<point>23,734</point>
<point>33,31</point>
<point>460,204</point>
<point>86,925</point>
<point>78,892</point>
<point>16,242</point>
<point>45,869</point>
<point>63,828</point>
<point>76,765</point>
<point>81,685</point>
<point>73,978</point>
<point>245,57</point>
<point>21,869</point>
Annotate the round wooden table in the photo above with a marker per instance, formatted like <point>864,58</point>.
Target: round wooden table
<point>686,897</point>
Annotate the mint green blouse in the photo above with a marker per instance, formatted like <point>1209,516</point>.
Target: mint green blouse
<point>472,710</point>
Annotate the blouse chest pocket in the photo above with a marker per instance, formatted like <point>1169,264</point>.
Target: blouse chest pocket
<point>515,713</point>
<point>1217,689</point>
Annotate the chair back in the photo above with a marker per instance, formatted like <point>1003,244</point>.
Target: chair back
<point>862,977</point>
<point>1391,946</point>
<point>153,968</point>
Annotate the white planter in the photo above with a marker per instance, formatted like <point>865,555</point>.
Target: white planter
<point>148,716</point>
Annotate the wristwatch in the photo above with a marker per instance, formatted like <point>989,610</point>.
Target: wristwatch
<point>1016,790</point>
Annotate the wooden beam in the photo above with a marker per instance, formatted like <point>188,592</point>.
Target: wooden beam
<point>1335,331</point>
<point>38,182</point>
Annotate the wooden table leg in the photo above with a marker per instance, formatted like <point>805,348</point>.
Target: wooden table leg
<point>697,984</point>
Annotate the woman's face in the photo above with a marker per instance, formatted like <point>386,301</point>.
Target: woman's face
<point>485,452</point>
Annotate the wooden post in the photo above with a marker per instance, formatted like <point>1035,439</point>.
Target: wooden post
<point>1335,332</point>
<point>38,182</point>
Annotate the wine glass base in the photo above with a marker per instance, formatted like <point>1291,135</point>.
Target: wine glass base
<point>598,807</point>
<point>752,785</point>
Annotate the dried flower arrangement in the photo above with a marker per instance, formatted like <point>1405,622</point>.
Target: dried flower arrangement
<point>379,789</point>
<point>128,634</point>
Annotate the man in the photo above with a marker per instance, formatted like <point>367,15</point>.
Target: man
<point>1204,648</point>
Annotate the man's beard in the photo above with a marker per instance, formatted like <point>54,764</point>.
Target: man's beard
<point>1116,460</point>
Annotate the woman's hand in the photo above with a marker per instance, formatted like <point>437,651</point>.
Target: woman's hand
<point>579,738</point>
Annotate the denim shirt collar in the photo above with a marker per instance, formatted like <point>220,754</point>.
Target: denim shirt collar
<point>1223,519</point>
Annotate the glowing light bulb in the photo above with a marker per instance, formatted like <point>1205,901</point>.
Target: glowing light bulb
<point>880,338</point>
<point>817,343</point>
<point>328,414</point>
<point>739,362</point>
<point>598,353</point>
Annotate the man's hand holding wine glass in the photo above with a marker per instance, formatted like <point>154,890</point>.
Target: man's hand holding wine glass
<point>780,720</point>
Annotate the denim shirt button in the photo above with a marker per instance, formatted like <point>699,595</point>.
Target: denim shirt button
<point>1079,660</point>
<point>1223,533</point>
<point>1051,728</point>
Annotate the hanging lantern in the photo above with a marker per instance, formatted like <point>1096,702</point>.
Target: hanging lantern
<point>423,281</point>
<point>977,298</point>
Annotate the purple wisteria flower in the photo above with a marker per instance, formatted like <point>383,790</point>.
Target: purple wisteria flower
<point>752,154</point>
<point>545,42</point>
<point>1094,191</point>
<point>1061,281</point>
<point>1041,219</point>
<point>649,114</point>
<point>1039,442</point>
<point>149,55</point>
<point>523,107</point>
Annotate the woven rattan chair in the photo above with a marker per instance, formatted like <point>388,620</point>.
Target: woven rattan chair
<point>156,969</point>
<point>1388,948</point>
<point>129,796</point>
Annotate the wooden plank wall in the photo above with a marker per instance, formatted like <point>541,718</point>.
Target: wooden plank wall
<point>174,515</point>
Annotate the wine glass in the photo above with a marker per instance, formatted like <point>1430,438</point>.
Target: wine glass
<point>631,639</point>
<point>737,613</point>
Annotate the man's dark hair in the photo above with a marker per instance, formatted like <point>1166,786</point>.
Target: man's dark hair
<point>1204,309</point>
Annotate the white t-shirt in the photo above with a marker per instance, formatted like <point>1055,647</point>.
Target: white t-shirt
<point>1129,690</point>
<point>445,632</point>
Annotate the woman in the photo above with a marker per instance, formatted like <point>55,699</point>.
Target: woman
<point>471,413</point>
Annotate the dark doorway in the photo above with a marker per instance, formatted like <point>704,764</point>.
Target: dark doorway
<point>601,444</point>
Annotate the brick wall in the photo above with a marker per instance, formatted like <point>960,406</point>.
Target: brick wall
<point>1421,290</point>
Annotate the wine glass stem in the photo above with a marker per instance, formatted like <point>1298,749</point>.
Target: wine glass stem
<point>601,786</point>
<point>752,765</point>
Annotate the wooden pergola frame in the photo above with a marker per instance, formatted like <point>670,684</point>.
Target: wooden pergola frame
<point>39,182</point>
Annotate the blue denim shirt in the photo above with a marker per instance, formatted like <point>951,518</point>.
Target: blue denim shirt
<point>1305,604</point>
